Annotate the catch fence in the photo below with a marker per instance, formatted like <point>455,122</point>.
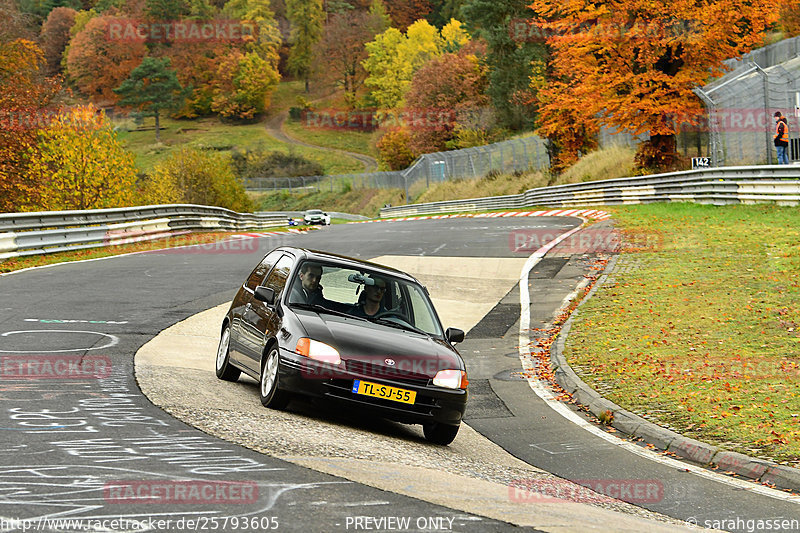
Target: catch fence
<point>516,155</point>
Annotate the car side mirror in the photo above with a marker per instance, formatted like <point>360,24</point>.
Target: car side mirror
<point>265,294</point>
<point>454,335</point>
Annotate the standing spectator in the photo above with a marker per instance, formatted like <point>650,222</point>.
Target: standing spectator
<point>781,138</point>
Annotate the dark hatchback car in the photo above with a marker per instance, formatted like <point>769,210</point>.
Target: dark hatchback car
<point>361,334</point>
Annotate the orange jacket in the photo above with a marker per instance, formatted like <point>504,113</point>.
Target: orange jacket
<point>781,132</point>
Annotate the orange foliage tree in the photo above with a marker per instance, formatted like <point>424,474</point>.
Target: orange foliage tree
<point>404,12</point>
<point>98,63</point>
<point>633,65</point>
<point>790,18</point>
<point>448,90</point>
<point>55,36</point>
<point>24,98</point>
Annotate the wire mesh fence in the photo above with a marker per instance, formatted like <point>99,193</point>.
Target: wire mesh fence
<point>741,104</point>
<point>516,155</point>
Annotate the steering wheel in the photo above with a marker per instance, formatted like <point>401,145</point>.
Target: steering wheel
<point>391,312</point>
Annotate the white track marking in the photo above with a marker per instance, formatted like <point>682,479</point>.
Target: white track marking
<point>113,340</point>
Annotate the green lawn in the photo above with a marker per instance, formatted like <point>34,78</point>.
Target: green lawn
<point>212,134</point>
<point>704,336</point>
<point>350,140</point>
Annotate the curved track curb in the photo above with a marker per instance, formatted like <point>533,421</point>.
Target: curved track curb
<point>759,470</point>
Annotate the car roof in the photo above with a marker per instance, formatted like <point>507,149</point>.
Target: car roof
<point>318,255</point>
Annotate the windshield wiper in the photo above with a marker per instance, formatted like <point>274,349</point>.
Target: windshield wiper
<point>390,323</point>
<point>321,309</point>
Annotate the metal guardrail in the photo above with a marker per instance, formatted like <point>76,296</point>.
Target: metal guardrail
<point>299,214</point>
<point>719,186</point>
<point>23,234</point>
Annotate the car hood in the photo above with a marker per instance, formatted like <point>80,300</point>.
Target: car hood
<point>364,345</point>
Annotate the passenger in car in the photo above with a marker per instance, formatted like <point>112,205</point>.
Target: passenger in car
<point>371,301</point>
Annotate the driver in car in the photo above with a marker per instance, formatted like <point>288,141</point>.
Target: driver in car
<point>309,291</point>
<point>371,301</point>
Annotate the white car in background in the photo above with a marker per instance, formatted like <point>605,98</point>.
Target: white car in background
<point>316,216</point>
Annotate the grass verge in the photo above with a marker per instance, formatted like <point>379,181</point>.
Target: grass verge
<point>211,134</point>
<point>702,334</point>
<point>367,202</point>
<point>360,142</point>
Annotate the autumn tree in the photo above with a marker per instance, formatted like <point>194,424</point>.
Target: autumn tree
<point>195,177</point>
<point>339,55</point>
<point>394,57</point>
<point>247,74</point>
<point>510,54</point>
<point>41,9</point>
<point>394,150</point>
<point>405,12</point>
<point>15,23</point>
<point>307,19</point>
<point>80,164</point>
<point>151,89</point>
<point>97,64</point>
<point>380,16</point>
<point>633,68</point>
<point>243,85</point>
<point>25,100</point>
<point>196,67</point>
<point>55,36</point>
<point>447,90</point>
<point>789,21</point>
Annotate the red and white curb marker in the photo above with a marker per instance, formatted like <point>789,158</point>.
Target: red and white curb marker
<point>580,213</point>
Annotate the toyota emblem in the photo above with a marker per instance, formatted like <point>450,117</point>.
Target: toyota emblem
<point>389,362</point>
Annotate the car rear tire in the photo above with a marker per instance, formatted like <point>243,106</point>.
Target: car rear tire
<point>225,370</point>
<point>440,433</point>
<point>268,390</point>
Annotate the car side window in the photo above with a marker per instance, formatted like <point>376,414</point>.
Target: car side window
<point>260,272</point>
<point>280,274</point>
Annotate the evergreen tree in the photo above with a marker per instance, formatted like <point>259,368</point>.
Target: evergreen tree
<point>509,56</point>
<point>151,88</point>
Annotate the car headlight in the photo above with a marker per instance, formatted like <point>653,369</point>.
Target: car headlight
<point>451,379</point>
<point>318,351</point>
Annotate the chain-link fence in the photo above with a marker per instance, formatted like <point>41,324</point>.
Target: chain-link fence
<point>741,105</point>
<point>516,155</point>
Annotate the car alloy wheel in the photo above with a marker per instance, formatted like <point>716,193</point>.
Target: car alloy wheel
<point>440,433</point>
<point>268,390</point>
<point>225,370</point>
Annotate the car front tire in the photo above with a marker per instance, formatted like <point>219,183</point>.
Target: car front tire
<point>225,370</point>
<point>268,390</point>
<point>440,433</point>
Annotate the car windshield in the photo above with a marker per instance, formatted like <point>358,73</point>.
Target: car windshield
<point>314,212</point>
<point>374,296</point>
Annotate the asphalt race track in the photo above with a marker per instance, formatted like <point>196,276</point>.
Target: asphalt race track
<point>83,447</point>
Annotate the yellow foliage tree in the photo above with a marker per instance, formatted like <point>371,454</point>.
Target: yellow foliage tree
<point>393,57</point>
<point>80,164</point>
<point>194,177</point>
